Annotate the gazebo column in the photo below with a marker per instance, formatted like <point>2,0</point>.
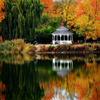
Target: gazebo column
<point>53,39</point>
<point>54,64</point>
<point>68,66</point>
<point>56,37</point>
<point>72,37</point>
<point>72,64</point>
<point>64,37</point>
<point>60,39</point>
<point>67,37</point>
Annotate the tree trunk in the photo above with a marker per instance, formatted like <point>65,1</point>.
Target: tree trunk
<point>85,39</point>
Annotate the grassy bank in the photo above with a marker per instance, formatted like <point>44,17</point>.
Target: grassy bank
<point>70,48</point>
<point>16,46</point>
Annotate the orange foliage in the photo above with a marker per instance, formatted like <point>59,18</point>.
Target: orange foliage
<point>80,9</point>
<point>47,5</point>
<point>55,10</point>
<point>51,8</point>
<point>1,38</point>
<point>49,88</point>
<point>2,88</point>
<point>2,7</point>
<point>95,9</point>
<point>88,18</point>
<point>85,83</point>
<point>49,94</point>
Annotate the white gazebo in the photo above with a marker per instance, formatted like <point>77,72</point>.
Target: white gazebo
<point>62,67</point>
<point>62,36</point>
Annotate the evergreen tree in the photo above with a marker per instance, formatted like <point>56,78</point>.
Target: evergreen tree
<point>22,17</point>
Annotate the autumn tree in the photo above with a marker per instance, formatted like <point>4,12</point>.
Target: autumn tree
<point>1,10</point>
<point>52,8</point>
<point>68,11</point>
<point>1,38</point>
<point>22,17</point>
<point>83,17</point>
<point>84,81</point>
<point>47,5</point>
<point>2,13</point>
<point>88,19</point>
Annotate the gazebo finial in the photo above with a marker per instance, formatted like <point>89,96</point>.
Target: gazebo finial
<point>62,24</point>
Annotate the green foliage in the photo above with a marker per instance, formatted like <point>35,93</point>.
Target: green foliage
<point>47,26</point>
<point>45,19</point>
<point>22,17</point>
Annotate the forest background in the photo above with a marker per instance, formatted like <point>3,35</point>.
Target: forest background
<point>37,19</point>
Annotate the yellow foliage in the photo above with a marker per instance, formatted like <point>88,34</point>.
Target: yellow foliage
<point>83,83</point>
<point>83,17</point>
<point>69,15</point>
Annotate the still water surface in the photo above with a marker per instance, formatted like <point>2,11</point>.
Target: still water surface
<point>50,77</point>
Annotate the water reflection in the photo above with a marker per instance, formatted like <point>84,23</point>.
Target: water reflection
<point>21,82</point>
<point>2,91</point>
<point>16,58</point>
<point>57,77</point>
<point>61,66</point>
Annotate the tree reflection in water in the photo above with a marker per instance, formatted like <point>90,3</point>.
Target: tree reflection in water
<point>21,82</point>
<point>82,83</point>
<point>24,81</point>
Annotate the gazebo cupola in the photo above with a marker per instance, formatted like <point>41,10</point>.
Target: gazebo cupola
<point>62,36</point>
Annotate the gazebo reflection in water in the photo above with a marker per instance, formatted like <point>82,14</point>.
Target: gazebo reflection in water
<point>62,67</point>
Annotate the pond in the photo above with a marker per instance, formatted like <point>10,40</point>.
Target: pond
<point>50,77</point>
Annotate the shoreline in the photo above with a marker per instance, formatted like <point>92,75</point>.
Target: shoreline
<point>60,49</point>
<point>59,52</point>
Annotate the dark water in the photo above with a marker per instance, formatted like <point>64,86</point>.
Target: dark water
<point>50,77</point>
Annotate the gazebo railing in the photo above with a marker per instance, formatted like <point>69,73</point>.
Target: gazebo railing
<point>61,42</point>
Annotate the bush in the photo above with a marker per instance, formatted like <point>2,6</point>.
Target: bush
<point>16,46</point>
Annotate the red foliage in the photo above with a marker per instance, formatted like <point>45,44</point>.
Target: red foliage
<point>93,3</point>
<point>74,42</point>
<point>80,8</point>
<point>95,9</point>
<point>44,1</point>
<point>1,38</point>
<point>1,63</point>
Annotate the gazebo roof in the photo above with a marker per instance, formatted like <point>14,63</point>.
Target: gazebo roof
<point>62,31</point>
<point>62,72</point>
<point>62,28</point>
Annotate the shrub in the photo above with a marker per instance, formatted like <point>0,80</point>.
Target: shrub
<point>1,40</point>
<point>46,49</point>
<point>50,48</point>
<point>81,41</point>
<point>16,46</point>
<point>42,48</point>
<point>89,45</point>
